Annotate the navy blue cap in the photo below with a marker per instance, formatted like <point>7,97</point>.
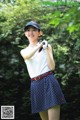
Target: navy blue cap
<point>32,23</point>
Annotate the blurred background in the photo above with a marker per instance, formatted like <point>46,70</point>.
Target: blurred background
<point>60,24</point>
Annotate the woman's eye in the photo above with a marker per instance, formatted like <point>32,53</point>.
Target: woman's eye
<point>34,29</point>
<point>28,29</point>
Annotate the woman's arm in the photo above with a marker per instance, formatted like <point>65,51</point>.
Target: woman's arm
<point>27,54</point>
<point>50,59</point>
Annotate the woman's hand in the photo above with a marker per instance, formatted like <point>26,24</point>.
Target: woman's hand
<point>45,44</point>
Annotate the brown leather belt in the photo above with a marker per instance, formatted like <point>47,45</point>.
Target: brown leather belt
<point>41,76</point>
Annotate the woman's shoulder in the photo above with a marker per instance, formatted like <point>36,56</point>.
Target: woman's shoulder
<point>24,50</point>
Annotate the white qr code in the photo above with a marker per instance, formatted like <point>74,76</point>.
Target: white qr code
<point>7,112</point>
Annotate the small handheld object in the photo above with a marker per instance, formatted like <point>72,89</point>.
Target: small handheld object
<point>45,45</point>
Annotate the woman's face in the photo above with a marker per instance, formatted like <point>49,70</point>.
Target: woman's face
<point>32,34</point>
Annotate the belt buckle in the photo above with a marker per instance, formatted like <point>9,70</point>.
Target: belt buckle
<point>37,78</point>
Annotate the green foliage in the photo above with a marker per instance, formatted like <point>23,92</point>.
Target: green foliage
<point>61,27</point>
<point>60,3</point>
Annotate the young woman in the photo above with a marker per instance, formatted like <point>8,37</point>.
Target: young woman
<point>46,94</point>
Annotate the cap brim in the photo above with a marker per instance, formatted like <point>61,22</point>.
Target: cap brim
<point>26,27</point>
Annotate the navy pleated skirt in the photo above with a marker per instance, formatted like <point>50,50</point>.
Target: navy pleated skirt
<point>46,93</point>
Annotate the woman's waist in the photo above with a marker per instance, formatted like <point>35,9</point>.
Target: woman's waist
<point>37,71</point>
<point>42,75</point>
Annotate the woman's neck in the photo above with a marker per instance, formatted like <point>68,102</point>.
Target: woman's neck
<point>32,44</point>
